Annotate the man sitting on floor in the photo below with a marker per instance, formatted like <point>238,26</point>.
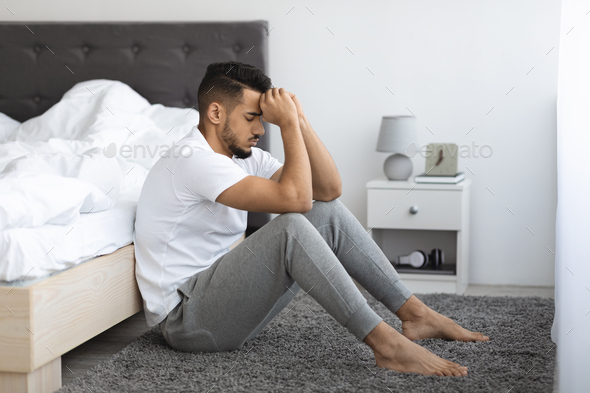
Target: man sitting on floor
<point>193,207</point>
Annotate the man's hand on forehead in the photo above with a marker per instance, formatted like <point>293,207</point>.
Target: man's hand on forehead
<point>277,106</point>
<point>295,100</point>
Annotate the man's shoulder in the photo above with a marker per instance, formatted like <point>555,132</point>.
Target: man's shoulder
<point>195,155</point>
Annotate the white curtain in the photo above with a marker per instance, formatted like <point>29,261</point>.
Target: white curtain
<point>571,326</point>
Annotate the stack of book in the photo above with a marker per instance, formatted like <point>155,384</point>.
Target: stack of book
<point>424,178</point>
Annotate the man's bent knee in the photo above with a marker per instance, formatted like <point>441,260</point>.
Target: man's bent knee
<point>326,208</point>
<point>290,219</point>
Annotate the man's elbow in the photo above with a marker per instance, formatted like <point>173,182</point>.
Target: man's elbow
<point>330,194</point>
<point>297,202</point>
<point>336,191</point>
<point>305,206</point>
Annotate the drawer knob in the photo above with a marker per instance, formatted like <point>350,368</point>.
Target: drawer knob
<point>414,209</point>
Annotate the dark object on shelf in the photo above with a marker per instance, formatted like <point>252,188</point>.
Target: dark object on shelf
<point>420,260</point>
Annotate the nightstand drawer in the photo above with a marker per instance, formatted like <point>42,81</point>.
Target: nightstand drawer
<point>435,209</point>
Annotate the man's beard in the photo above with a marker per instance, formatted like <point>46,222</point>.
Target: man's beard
<point>231,139</point>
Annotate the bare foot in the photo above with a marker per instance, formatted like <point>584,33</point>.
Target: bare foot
<point>396,352</point>
<point>419,321</point>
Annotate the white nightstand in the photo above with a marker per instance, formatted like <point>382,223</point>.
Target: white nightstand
<point>441,220</point>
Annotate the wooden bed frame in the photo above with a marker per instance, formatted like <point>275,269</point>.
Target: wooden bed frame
<point>59,313</point>
<point>164,62</point>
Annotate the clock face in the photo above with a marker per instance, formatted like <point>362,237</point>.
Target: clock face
<point>443,159</point>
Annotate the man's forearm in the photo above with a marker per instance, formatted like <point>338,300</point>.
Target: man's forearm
<point>296,170</point>
<point>326,181</point>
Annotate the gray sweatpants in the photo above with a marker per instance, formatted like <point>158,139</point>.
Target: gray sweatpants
<point>240,293</point>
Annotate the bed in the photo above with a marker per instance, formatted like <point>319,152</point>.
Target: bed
<point>44,317</point>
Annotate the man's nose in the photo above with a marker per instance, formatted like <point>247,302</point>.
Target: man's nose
<point>259,130</point>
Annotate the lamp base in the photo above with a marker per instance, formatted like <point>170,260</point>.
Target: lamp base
<point>398,167</point>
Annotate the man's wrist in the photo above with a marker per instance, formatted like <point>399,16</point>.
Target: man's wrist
<point>294,122</point>
<point>303,121</point>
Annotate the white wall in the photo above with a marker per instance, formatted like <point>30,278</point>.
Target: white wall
<point>449,62</point>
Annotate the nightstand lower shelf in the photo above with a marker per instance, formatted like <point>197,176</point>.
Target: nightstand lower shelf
<point>395,242</point>
<point>430,280</point>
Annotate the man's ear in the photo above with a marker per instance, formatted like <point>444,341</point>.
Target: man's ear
<point>214,112</point>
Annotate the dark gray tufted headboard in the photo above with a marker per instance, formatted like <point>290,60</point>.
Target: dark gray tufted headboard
<point>162,61</point>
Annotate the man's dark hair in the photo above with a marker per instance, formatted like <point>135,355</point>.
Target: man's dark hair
<point>225,83</point>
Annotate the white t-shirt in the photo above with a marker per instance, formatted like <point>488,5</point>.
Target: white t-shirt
<point>180,230</point>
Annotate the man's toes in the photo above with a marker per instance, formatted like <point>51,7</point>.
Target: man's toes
<point>459,371</point>
<point>479,336</point>
<point>474,336</point>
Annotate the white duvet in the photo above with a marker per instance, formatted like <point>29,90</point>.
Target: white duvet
<point>78,158</point>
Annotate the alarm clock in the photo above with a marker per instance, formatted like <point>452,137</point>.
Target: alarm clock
<point>443,159</point>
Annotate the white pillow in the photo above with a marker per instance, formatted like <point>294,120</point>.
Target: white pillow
<point>175,122</point>
<point>7,127</point>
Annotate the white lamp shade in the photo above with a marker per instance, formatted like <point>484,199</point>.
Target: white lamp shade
<point>396,134</point>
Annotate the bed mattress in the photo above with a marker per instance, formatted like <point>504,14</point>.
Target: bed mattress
<point>30,253</point>
<point>70,178</point>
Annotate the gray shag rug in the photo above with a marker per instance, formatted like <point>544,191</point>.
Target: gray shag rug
<point>306,350</point>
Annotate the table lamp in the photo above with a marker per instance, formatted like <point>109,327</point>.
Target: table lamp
<point>396,134</point>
